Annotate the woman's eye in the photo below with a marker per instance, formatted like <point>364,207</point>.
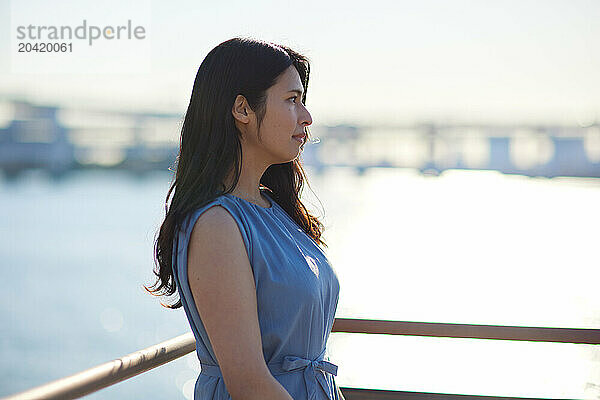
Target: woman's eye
<point>294,98</point>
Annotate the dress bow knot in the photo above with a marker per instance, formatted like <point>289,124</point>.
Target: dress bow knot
<point>312,372</point>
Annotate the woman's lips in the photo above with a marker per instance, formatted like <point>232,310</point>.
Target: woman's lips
<point>300,137</point>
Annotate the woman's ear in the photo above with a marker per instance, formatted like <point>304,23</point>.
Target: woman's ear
<point>241,110</point>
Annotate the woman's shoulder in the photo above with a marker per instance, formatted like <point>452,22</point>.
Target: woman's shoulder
<point>216,222</point>
<point>222,200</point>
<point>218,215</point>
<point>250,217</point>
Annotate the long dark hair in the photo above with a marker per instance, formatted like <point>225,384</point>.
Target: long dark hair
<point>210,144</point>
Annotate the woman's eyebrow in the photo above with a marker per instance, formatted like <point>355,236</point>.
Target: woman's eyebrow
<point>296,91</point>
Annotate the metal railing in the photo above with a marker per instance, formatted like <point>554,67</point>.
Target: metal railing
<point>107,374</point>
<point>561,335</point>
<point>110,373</point>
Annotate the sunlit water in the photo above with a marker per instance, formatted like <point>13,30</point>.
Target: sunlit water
<point>465,247</point>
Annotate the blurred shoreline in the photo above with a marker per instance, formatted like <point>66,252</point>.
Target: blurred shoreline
<point>61,139</point>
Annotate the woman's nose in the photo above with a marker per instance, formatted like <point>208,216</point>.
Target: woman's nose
<point>306,118</point>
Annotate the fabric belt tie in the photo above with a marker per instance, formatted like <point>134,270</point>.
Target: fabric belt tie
<point>290,364</point>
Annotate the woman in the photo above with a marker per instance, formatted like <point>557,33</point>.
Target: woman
<point>237,243</point>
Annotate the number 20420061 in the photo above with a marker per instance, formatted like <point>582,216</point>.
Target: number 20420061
<point>46,47</point>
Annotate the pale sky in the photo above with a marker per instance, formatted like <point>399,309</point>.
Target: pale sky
<point>372,62</point>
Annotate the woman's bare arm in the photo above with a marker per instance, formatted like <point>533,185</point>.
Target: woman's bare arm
<point>224,292</point>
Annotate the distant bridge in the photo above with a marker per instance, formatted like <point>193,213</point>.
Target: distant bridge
<point>432,148</point>
<point>59,140</point>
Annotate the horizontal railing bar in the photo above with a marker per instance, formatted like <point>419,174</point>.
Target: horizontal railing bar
<point>110,373</point>
<point>374,394</point>
<point>107,374</point>
<point>499,332</point>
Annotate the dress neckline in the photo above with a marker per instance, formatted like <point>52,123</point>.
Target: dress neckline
<point>271,202</point>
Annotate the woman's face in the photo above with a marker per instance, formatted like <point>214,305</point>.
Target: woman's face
<point>285,117</point>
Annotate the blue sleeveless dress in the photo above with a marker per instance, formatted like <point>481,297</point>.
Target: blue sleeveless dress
<point>297,294</point>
